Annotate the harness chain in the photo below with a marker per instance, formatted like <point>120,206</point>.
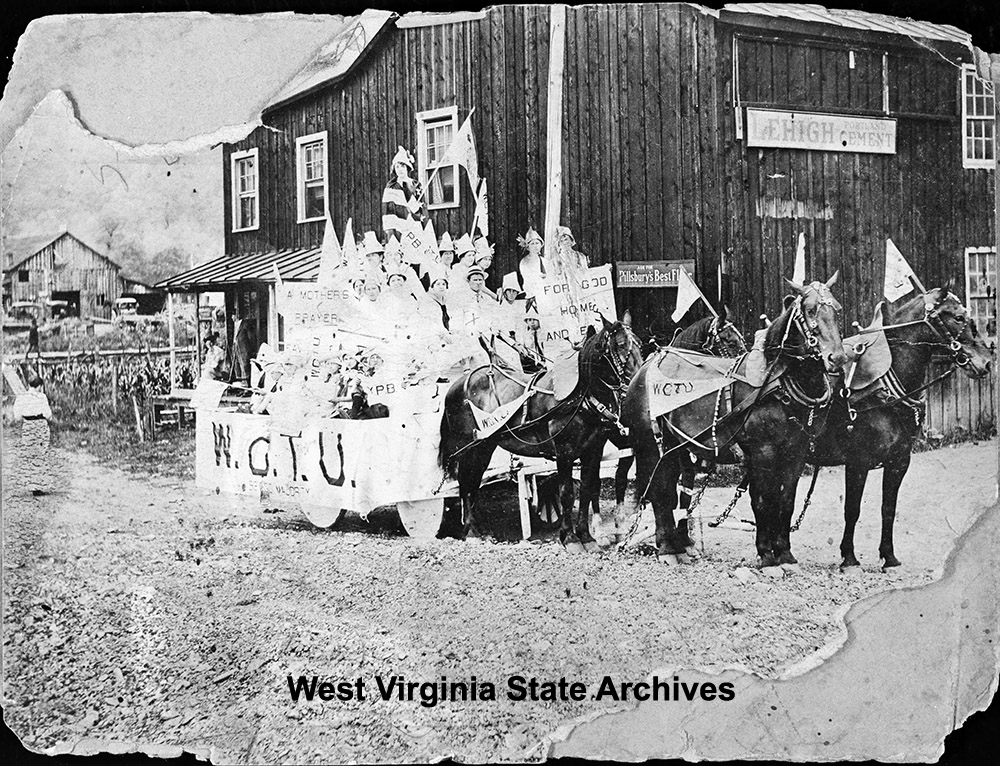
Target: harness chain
<point>808,500</point>
<point>740,491</point>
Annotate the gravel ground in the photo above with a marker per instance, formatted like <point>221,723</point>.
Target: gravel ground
<point>139,609</point>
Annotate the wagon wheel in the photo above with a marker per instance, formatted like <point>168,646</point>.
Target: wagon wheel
<point>421,518</point>
<point>546,510</point>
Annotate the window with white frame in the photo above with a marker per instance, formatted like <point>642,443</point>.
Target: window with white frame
<point>246,195</point>
<point>435,130</point>
<point>978,120</point>
<point>311,177</point>
<point>981,287</point>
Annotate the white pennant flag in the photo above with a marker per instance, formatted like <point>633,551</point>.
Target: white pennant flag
<point>897,273</point>
<point>480,218</point>
<point>799,273</point>
<point>329,256</point>
<point>349,253</point>
<point>687,294</point>
<point>277,277</point>
<point>463,152</point>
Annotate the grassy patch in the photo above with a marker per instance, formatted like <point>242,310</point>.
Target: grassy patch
<point>167,453</point>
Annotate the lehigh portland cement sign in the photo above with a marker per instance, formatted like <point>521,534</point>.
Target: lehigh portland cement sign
<point>826,132</point>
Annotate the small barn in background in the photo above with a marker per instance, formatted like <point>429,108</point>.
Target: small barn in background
<point>51,270</point>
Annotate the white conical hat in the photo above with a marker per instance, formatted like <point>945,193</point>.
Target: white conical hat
<point>371,245</point>
<point>403,156</point>
<point>446,243</point>
<point>393,246</point>
<point>483,247</point>
<point>464,245</point>
<point>529,236</point>
<point>563,231</point>
<point>510,282</point>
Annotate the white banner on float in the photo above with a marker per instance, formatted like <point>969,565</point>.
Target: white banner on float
<point>566,311</point>
<point>330,465</point>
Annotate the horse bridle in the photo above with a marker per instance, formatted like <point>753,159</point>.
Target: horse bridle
<point>617,366</point>
<point>713,343</point>
<point>932,318</point>
<point>807,327</point>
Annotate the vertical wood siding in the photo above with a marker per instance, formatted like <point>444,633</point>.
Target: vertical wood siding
<point>70,265</point>
<point>847,204</point>
<point>652,167</point>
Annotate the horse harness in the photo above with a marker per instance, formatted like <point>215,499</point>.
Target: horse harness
<point>587,401</point>
<point>778,385</point>
<point>888,389</point>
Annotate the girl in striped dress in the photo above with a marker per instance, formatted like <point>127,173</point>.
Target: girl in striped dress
<point>402,199</point>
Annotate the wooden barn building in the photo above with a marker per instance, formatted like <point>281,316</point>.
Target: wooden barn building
<point>683,134</point>
<point>64,273</point>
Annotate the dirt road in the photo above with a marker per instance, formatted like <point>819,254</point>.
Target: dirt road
<point>142,611</point>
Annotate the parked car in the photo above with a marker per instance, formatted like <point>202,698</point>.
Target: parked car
<point>125,310</point>
<point>18,317</point>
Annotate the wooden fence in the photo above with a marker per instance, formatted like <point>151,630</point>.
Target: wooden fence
<point>86,387</point>
<point>959,403</point>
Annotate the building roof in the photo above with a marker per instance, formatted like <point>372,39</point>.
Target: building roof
<point>852,19</point>
<point>232,269</point>
<point>33,244</point>
<point>335,59</point>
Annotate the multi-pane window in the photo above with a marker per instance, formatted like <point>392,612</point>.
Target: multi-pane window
<point>978,120</point>
<point>435,130</point>
<point>312,177</point>
<point>246,198</point>
<point>980,287</point>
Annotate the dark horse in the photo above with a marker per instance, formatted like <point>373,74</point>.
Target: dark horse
<point>560,428</point>
<point>714,335</point>
<point>876,426</point>
<point>775,412</point>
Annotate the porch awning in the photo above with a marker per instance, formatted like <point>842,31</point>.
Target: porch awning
<point>230,270</point>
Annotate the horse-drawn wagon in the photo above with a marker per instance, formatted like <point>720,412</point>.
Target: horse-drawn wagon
<point>326,466</point>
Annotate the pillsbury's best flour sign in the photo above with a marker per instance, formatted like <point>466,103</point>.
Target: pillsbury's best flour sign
<point>825,132</point>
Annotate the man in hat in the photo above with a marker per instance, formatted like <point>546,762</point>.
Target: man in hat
<point>402,198</point>
<point>476,308</point>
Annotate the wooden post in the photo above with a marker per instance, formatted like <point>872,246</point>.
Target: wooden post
<point>114,386</point>
<point>138,419</point>
<point>173,349</point>
<point>272,315</point>
<point>553,126</point>
<point>197,337</point>
<point>523,504</point>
